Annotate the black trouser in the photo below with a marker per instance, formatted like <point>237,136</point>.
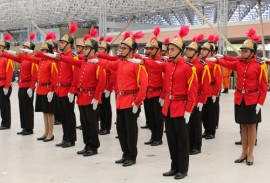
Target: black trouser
<point>178,142</point>
<point>106,113</point>
<point>26,108</point>
<point>208,117</point>
<point>68,119</point>
<point>127,130</point>
<point>155,118</point>
<point>217,108</point>
<point>195,129</point>
<point>5,107</point>
<point>57,111</point>
<point>146,111</point>
<point>89,121</point>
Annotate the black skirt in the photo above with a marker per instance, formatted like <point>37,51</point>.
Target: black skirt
<point>246,114</point>
<point>42,104</point>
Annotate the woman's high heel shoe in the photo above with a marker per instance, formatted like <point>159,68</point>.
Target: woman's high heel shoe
<point>50,139</point>
<point>240,160</point>
<point>249,163</point>
<point>41,138</point>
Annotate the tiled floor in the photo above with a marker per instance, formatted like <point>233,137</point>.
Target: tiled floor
<point>26,160</point>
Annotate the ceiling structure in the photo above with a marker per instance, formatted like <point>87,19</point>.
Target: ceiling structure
<point>51,13</point>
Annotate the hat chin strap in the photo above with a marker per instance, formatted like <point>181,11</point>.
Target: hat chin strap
<point>176,54</point>
<point>192,55</point>
<point>62,50</point>
<point>206,55</point>
<point>249,57</point>
<point>89,52</point>
<point>124,57</point>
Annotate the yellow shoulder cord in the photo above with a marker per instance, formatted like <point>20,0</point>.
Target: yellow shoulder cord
<point>139,75</point>
<point>10,64</point>
<point>54,68</point>
<point>97,72</point>
<point>206,71</point>
<point>263,71</point>
<point>76,58</point>
<point>192,77</point>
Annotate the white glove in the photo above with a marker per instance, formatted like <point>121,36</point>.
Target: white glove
<point>134,108</point>
<point>27,50</point>
<point>187,116</point>
<point>161,101</point>
<point>135,60</point>
<point>30,92</point>
<point>211,59</point>
<point>70,97</point>
<point>50,96</point>
<point>107,93</point>
<point>11,52</point>
<point>5,91</point>
<point>258,108</point>
<point>50,55</point>
<point>95,104</point>
<point>200,106</point>
<point>214,98</point>
<point>219,56</point>
<point>93,60</point>
<point>265,59</point>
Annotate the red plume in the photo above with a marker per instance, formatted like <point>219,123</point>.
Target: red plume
<point>109,39</point>
<point>200,37</point>
<point>101,38</point>
<point>8,37</point>
<point>194,39</point>
<point>93,32</point>
<point>73,28</point>
<point>32,36</point>
<point>167,40</point>
<point>251,33</point>
<point>256,38</point>
<point>184,31</point>
<point>86,36</point>
<point>127,35</point>
<point>138,35</point>
<point>216,39</point>
<point>50,36</point>
<point>156,31</point>
<point>211,38</point>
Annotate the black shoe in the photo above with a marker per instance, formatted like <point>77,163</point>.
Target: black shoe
<point>116,137</point>
<point>48,140</point>
<point>195,151</point>
<point>79,127</point>
<point>4,128</point>
<point>60,144</point>
<point>129,162</point>
<point>41,138</point>
<point>240,160</point>
<point>249,163</point>
<point>90,153</point>
<point>170,173</point>
<point>209,136</point>
<point>104,132</point>
<point>149,142</point>
<point>82,151</point>
<point>204,135</point>
<point>145,127</point>
<point>120,161</point>
<point>21,132</point>
<point>156,143</point>
<point>68,144</point>
<point>238,142</point>
<point>180,175</point>
<point>225,91</point>
<point>27,132</point>
<point>57,122</point>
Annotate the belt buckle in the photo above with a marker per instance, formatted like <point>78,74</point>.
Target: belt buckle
<point>170,97</point>
<point>120,92</point>
<point>243,91</point>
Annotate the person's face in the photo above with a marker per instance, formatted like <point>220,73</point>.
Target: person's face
<point>150,51</point>
<point>204,52</point>
<point>79,49</point>
<point>101,50</point>
<point>86,51</point>
<point>62,45</point>
<point>123,50</point>
<point>246,53</point>
<point>173,51</point>
<point>190,53</point>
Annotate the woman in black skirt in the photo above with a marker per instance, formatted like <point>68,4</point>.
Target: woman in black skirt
<point>250,93</point>
<point>46,81</point>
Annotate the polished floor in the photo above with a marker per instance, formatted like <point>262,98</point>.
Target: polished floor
<point>23,159</point>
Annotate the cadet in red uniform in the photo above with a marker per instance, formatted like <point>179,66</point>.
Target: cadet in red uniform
<point>131,82</point>
<point>209,114</point>
<point>181,96</point>
<point>105,108</point>
<point>46,82</point>
<point>155,83</point>
<point>91,85</point>
<point>6,70</point>
<point>66,90</point>
<point>250,93</point>
<point>202,70</point>
<point>28,77</point>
